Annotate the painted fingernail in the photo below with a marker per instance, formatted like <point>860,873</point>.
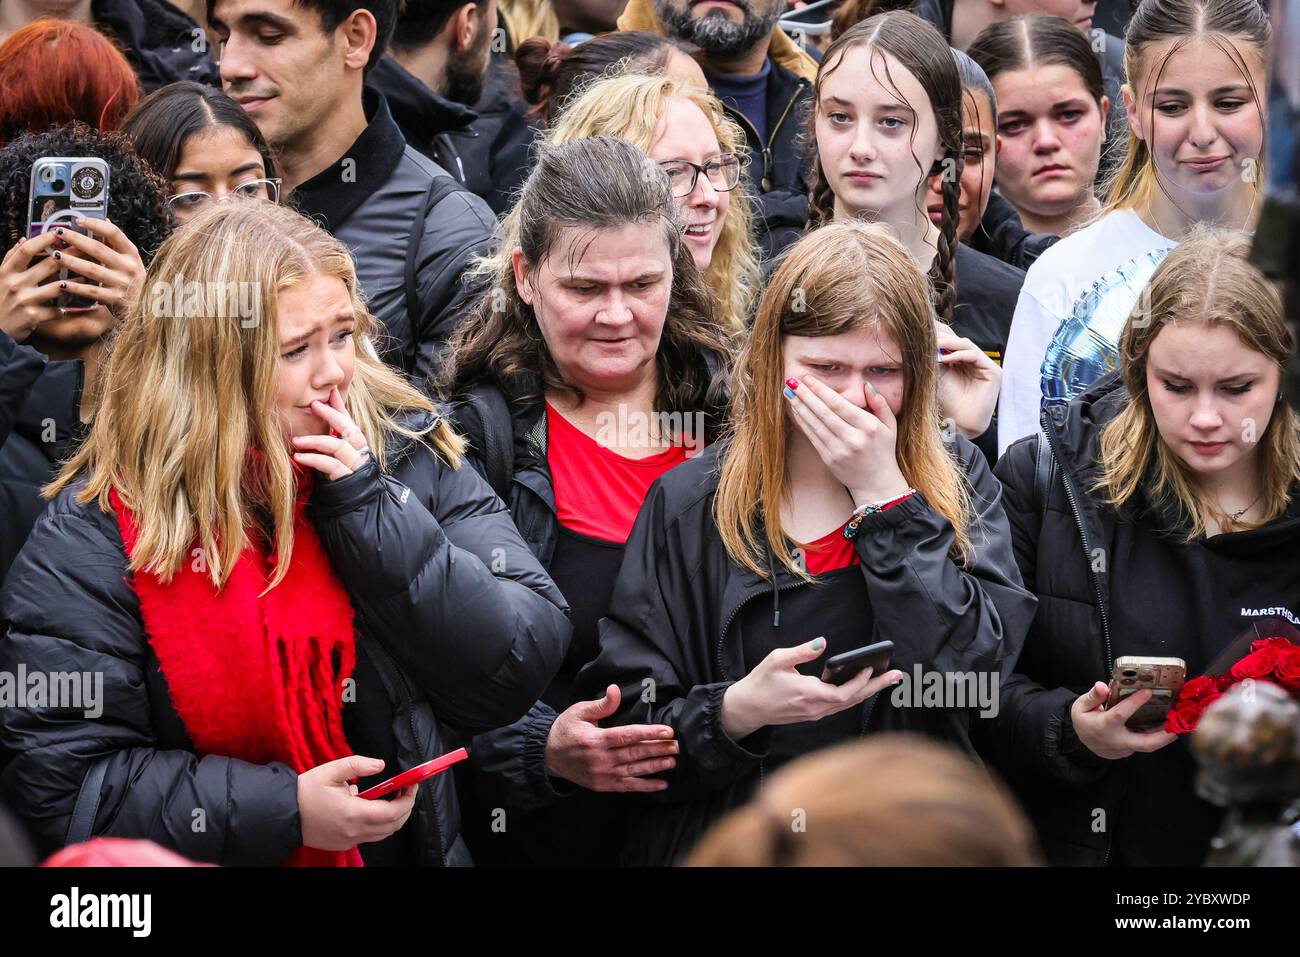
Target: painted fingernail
<point>788,392</point>
<point>818,644</point>
<point>792,383</point>
<point>872,388</point>
<point>58,255</point>
<point>58,232</point>
<point>63,285</point>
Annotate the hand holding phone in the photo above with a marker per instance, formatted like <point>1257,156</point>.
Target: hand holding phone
<point>1162,676</point>
<point>842,667</point>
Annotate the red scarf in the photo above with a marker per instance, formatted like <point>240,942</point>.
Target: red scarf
<point>254,676</point>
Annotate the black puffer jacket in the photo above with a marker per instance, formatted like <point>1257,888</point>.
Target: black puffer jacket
<point>40,409</point>
<point>162,43</point>
<point>412,229</point>
<point>678,594</point>
<point>1003,236</point>
<point>442,643</point>
<point>1072,551</point>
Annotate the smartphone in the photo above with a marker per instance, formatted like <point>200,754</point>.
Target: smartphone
<point>63,188</point>
<point>844,666</point>
<point>421,772</point>
<point>1163,676</point>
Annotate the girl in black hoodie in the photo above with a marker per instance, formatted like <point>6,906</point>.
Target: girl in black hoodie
<point>830,518</point>
<point>1158,514</point>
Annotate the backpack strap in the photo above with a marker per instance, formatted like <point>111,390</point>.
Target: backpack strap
<point>81,826</point>
<point>485,420</point>
<point>440,187</point>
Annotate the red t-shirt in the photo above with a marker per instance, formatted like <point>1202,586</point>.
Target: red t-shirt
<point>599,492</point>
<point>830,553</point>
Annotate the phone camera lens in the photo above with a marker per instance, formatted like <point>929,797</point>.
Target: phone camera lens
<point>59,185</point>
<point>1126,681</point>
<point>1129,674</point>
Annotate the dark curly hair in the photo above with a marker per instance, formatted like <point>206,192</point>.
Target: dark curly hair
<point>137,196</point>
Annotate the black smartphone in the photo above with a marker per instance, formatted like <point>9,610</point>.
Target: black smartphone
<point>844,666</point>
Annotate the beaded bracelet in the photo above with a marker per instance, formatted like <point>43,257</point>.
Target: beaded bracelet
<point>862,511</point>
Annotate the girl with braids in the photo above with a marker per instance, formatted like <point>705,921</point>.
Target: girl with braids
<point>887,118</point>
<point>1196,138</point>
<point>831,516</point>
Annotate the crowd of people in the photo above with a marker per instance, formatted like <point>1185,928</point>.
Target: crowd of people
<point>570,382</point>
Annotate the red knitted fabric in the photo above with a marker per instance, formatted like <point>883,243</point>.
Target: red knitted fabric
<point>256,677</point>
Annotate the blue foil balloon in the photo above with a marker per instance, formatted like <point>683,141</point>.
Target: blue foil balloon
<point>1086,345</point>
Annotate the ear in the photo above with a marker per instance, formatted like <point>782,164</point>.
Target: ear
<point>1130,107</point>
<point>1105,113</point>
<point>359,32</point>
<point>520,267</point>
<point>465,24</point>
<point>997,146</point>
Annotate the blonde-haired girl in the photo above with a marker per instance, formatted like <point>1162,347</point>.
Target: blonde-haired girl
<point>832,517</point>
<point>1158,514</point>
<point>267,549</point>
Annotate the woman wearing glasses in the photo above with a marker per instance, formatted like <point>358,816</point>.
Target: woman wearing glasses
<point>205,146</point>
<point>592,367</point>
<point>685,131</point>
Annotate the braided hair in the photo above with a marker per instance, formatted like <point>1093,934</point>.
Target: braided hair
<point>924,53</point>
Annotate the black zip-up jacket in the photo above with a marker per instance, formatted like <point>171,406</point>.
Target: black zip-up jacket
<point>1003,236</point>
<point>778,169</point>
<point>1065,549</point>
<point>40,421</point>
<point>678,595</point>
<point>162,44</point>
<point>411,228</point>
<point>429,122</point>
<point>458,630</point>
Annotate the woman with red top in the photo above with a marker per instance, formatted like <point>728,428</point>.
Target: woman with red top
<point>593,366</point>
<point>832,516</point>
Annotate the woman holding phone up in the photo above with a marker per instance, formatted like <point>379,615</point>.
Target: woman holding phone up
<point>1159,520</point>
<point>268,549</point>
<point>832,517</point>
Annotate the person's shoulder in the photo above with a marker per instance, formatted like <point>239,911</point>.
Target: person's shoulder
<point>994,272</point>
<point>688,489</point>
<point>446,202</point>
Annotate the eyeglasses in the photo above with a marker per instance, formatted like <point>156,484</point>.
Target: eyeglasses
<point>722,173</point>
<point>268,189</point>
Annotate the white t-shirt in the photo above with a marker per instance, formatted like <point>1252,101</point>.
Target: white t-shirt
<point>1100,269</point>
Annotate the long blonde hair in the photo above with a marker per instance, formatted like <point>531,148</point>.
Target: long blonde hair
<point>1206,279</point>
<point>843,276</point>
<point>630,107</point>
<point>1135,181</point>
<point>189,386</point>
<point>529,18</point>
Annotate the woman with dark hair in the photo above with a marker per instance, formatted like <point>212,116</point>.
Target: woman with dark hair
<point>204,144</point>
<point>886,120</point>
<point>1053,119</point>
<point>50,356</point>
<point>550,73</point>
<point>593,366</point>
<point>53,72</point>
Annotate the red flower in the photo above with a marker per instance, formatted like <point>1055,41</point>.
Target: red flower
<point>1196,695</point>
<point>1286,669</point>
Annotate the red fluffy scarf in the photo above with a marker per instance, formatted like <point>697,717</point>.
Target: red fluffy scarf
<point>256,677</point>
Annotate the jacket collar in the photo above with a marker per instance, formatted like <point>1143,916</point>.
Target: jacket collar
<point>413,105</point>
<point>784,52</point>
<point>335,193</point>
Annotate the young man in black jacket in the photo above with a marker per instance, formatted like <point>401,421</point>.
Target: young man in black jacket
<point>765,82</point>
<point>298,69</point>
<point>432,76</point>
<point>162,44</point>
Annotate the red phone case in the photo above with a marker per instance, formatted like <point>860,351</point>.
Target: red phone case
<point>421,772</point>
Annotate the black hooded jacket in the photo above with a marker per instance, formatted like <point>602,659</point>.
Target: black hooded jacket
<point>450,639</point>
<point>672,644</point>
<point>431,123</point>
<point>1074,553</point>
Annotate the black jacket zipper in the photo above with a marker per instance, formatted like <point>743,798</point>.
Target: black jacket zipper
<point>743,120</point>
<point>1049,432</point>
